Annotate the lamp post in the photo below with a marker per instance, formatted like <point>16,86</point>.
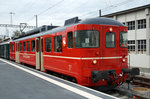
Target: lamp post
<point>36,17</point>
<point>11,14</point>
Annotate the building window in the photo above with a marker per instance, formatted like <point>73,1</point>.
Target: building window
<point>142,24</point>
<point>131,25</point>
<point>24,46</point>
<point>70,40</point>
<point>48,44</point>
<point>58,43</point>
<point>20,46</point>
<point>110,40</point>
<point>131,46</point>
<point>28,46</point>
<point>33,45</point>
<point>141,46</point>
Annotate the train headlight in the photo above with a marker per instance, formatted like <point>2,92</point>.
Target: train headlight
<point>110,29</point>
<point>120,75</point>
<point>123,60</point>
<point>94,61</point>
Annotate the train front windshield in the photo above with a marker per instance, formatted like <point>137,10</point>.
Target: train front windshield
<point>86,39</point>
<point>123,39</point>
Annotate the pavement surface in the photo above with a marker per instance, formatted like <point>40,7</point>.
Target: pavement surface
<point>20,82</point>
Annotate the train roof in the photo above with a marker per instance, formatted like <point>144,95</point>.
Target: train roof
<point>97,20</point>
<point>6,42</point>
<point>101,21</point>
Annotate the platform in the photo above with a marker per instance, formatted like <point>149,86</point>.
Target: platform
<point>21,82</point>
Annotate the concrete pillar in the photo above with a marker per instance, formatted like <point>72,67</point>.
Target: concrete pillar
<point>136,42</point>
<point>125,20</point>
<point>115,17</point>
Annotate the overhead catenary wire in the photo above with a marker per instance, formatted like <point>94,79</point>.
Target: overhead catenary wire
<point>84,14</point>
<point>69,11</point>
<point>45,10</point>
<point>29,5</point>
<point>107,8</point>
<point>50,7</point>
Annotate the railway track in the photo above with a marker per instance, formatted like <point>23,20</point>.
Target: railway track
<point>141,81</point>
<point>142,88</point>
<point>139,88</point>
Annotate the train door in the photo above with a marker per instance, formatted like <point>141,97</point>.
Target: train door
<point>39,53</point>
<point>109,47</point>
<point>17,52</point>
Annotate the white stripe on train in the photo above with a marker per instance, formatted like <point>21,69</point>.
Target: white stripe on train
<point>85,58</point>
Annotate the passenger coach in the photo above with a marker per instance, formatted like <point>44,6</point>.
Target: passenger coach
<point>92,52</point>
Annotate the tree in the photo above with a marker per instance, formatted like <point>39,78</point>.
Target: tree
<point>16,34</point>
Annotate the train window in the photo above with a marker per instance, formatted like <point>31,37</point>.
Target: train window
<point>20,46</point>
<point>17,46</point>
<point>41,44</point>
<point>58,43</point>
<point>28,46</point>
<point>123,39</point>
<point>37,45</point>
<point>70,40</point>
<point>33,45</point>
<point>24,46</point>
<point>48,44</point>
<point>12,47</point>
<point>86,39</point>
<point>110,40</point>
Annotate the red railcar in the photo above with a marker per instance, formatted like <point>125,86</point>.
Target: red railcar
<point>93,52</point>
<point>12,50</point>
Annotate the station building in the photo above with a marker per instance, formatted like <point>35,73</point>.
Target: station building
<point>138,22</point>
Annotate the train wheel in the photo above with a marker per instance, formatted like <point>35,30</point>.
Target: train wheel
<point>74,80</point>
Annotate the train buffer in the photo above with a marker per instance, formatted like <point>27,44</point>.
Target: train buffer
<point>20,82</point>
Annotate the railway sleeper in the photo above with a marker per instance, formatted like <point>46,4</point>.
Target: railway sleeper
<point>141,83</point>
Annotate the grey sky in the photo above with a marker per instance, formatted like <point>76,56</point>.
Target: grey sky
<point>26,9</point>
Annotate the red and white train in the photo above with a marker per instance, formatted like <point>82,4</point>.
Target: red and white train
<point>92,52</point>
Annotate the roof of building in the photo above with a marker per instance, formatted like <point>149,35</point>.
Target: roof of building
<point>127,11</point>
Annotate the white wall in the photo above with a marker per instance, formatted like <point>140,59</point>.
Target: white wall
<point>141,14</point>
<point>121,18</point>
<point>139,60</point>
<point>141,34</point>
<point>131,35</point>
<point>130,16</point>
